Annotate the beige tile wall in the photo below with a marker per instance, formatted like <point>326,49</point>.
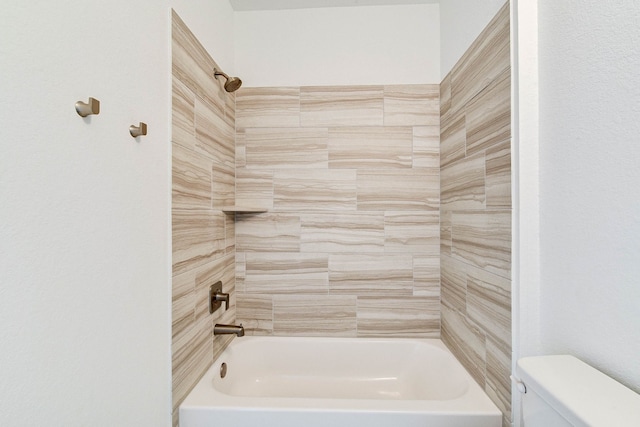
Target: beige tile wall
<point>360,231</point>
<point>203,164</point>
<point>475,228</point>
<point>350,245</point>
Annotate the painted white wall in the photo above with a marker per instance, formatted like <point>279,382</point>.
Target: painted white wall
<point>589,183</point>
<point>461,21</point>
<point>339,46</point>
<point>85,260</point>
<point>84,215</point>
<point>212,22</point>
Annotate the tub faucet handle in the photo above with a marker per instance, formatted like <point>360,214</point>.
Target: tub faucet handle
<point>220,296</point>
<point>216,297</point>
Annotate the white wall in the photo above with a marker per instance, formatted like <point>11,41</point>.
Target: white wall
<point>339,46</point>
<point>85,260</point>
<point>589,183</point>
<point>84,215</point>
<point>461,21</point>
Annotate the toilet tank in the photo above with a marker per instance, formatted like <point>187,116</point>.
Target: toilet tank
<point>564,391</point>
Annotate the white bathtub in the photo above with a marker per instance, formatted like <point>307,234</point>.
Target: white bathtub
<point>337,382</point>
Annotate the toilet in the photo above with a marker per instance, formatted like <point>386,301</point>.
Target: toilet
<point>562,390</point>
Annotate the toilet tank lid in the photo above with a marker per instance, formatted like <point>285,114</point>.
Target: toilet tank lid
<point>579,392</point>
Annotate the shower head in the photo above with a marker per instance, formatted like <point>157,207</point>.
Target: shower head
<point>232,84</point>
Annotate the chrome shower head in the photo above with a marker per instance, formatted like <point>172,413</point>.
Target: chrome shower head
<point>232,84</point>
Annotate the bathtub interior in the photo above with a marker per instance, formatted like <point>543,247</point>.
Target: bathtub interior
<point>340,369</point>
<point>338,382</point>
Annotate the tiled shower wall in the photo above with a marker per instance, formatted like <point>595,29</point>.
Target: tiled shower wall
<point>350,243</point>
<point>475,161</point>
<point>202,235</point>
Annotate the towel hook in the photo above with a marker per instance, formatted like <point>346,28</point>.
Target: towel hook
<point>139,130</point>
<point>85,109</point>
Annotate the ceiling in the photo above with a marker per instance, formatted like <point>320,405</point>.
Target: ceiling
<point>245,5</point>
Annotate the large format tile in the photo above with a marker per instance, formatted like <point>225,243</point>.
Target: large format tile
<point>426,275</point>
<point>475,223</point>
<point>183,303</point>
<point>240,271</point>
<point>184,38</point>
<point>342,232</point>
<point>229,234</point>
<point>485,59</point>
<point>190,179</point>
<point>452,137</point>
<point>241,149</point>
<point>489,304</point>
<point>370,147</point>
<point>483,239</point>
<point>498,176</point>
<point>285,148</point>
<point>314,189</point>
<point>466,341</point>
<point>411,105</point>
<point>463,184</point>
<point>222,185</point>
<point>255,313</point>
<point>498,384</point>
<point>445,232</point>
<point>488,120</point>
<point>371,274</point>
<point>254,188</point>
<point>193,66</point>
<point>214,136</point>
<point>416,317</point>
<point>286,273</point>
<point>267,233</point>
<point>327,315</point>
<point>341,106</point>
<point>445,95</point>
<point>412,231</point>
<point>230,108</point>
<point>191,356</point>
<point>203,241</point>
<point>198,237</point>
<point>268,107</point>
<point>453,284</point>
<point>426,147</point>
<point>415,189</point>
<point>182,115</point>
<point>372,209</point>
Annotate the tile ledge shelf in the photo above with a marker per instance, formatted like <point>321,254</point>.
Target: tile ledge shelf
<point>243,209</point>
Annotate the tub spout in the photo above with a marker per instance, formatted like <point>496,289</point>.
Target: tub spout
<point>220,329</point>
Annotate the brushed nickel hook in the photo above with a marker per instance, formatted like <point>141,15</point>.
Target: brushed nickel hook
<point>85,109</point>
<point>139,130</point>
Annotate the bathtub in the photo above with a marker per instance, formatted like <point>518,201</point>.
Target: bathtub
<point>337,382</point>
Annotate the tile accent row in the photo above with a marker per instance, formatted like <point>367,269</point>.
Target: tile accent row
<point>338,106</point>
<point>345,190</point>
<point>475,217</point>
<point>351,178</point>
<point>339,315</point>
